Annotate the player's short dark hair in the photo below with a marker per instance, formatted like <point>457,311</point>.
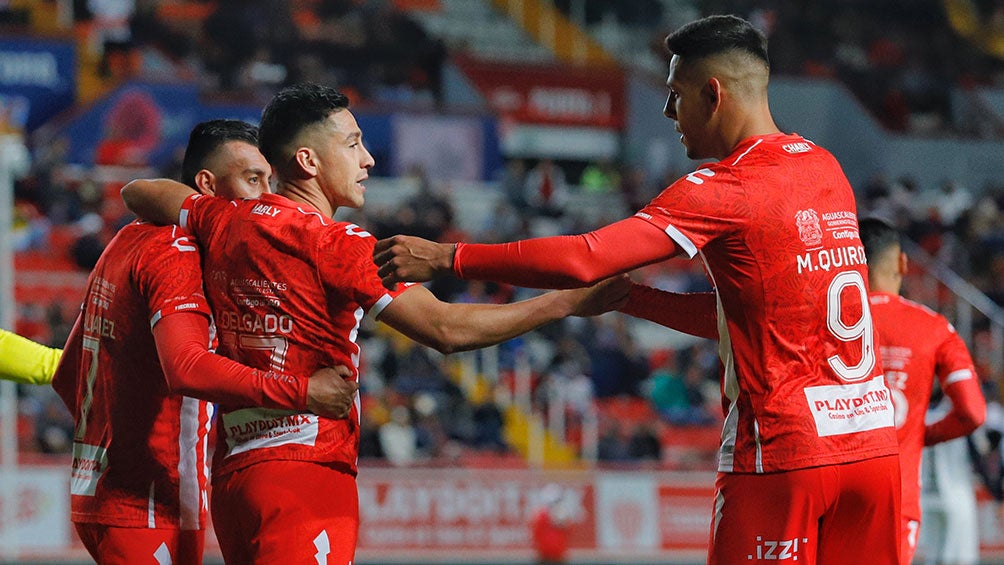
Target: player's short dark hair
<point>206,138</point>
<point>290,111</point>
<point>714,35</point>
<point>877,236</point>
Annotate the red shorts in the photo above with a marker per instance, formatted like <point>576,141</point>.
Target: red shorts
<point>286,512</point>
<point>846,513</point>
<point>113,545</point>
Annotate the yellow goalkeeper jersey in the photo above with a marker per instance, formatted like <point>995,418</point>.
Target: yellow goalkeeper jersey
<point>27,362</point>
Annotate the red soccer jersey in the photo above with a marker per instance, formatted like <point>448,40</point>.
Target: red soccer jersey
<point>289,288</point>
<point>139,451</point>
<point>775,224</point>
<point>918,344</point>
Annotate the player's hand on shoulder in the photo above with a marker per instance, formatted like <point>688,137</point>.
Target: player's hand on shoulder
<point>330,393</point>
<point>404,258</point>
<point>604,296</point>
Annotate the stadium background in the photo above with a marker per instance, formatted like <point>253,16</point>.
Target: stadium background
<point>475,110</point>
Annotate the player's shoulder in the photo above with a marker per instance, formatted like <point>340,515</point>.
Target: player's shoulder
<point>348,234</point>
<point>920,313</point>
<point>705,176</point>
<point>772,150</point>
<point>147,233</point>
<point>747,159</point>
<point>790,145</point>
<point>921,309</point>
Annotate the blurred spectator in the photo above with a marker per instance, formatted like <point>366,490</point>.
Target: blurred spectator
<point>513,183</point>
<point>644,444</point>
<point>398,438</point>
<point>31,228</point>
<point>600,177</point>
<point>545,189</point>
<point>680,398</point>
<point>617,367</point>
<point>952,201</point>
<point>488,421</point>
<point>131,129</point>
<point>613,442</point>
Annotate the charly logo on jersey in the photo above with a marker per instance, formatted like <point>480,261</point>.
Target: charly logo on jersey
<point>265,210</point>
<point>807,222</point>
<point>798,147</point>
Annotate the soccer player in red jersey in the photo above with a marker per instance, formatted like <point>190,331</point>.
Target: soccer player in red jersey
<point>289,287</point>
<point>917,346</point>
<point>808,465</point>
<point>138,480</point>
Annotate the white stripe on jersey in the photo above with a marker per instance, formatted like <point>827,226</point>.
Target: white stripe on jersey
<point>151,508</point>
<point>747,151</point>
<point>730,381</point>
<point>956,376</point>
<point>189,471</point>
<point>683,241</point>
<point>310,213</point>
<point>210,413</point>
<point>719,504</point>
<point>353,336</point>
<point>380,305</point>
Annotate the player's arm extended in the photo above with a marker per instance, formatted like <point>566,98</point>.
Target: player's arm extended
<point>156,200</point>
<point>24,361</point>
<point>446,327</point>
<point>962,386</point>
<point>969,409</point>
<point>192,370</point>
<point>568,261</point>
<point>694,313</point>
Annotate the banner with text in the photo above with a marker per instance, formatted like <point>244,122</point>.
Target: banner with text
<point>474,515</point>
<point>550,94</point>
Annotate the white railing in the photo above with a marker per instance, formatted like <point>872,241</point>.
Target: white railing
<point>968,304</point>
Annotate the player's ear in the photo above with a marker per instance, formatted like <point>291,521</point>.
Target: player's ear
<point>713,93</point>
<point>205,182</point>
<point>904,263</point>
<point>306,160</point>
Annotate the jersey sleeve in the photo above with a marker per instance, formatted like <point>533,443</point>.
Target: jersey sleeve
<point>957,376</point>
<point>24,361</point>
<point>699,207</point>
<point>694,313</point>
<point>192,370</point>
<point>169,276</point>
<point>345,265</point>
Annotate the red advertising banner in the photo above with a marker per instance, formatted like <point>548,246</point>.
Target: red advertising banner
<point>473,515</point>
<point>550,94</point>
<point>464,509</point>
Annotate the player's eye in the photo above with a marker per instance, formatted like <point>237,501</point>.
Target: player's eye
<point>253,180</point>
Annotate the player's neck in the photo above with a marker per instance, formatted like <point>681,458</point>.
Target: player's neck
<point>884,284</point>
<point>305,194</point>
<point>746,124</point>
